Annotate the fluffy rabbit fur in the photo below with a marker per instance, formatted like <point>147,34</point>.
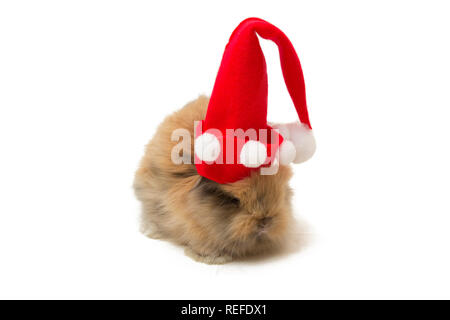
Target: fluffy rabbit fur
<point>215,222</point>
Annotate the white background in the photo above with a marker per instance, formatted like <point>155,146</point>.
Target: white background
<point>83,85</point>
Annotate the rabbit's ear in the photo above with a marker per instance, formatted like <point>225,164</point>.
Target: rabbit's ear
<point>299,137</point>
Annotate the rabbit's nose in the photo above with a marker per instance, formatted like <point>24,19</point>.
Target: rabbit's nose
<point>264,222</point>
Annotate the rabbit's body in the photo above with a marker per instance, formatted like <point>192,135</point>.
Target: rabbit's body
<point>216,222</point>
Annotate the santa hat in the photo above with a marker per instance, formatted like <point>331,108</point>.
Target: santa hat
<point>239,104</point>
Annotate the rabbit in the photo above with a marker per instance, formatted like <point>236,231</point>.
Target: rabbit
<point>216,223</point>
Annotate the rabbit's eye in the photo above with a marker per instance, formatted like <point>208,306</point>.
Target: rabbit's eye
<point>212,189</point>
<point>225,199</point>
<point>232,200</point>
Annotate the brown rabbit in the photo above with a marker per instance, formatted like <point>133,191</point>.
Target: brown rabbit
<point>215,222</point>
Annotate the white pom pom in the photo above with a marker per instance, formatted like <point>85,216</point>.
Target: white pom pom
<point>287,152</point>
<point>253,154</point>
<point>301,136</point>
<point>303,139</point>
<point>282,130</point>
<point>207,147</point>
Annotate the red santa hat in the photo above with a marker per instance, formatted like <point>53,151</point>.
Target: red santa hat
<point>238,105</point>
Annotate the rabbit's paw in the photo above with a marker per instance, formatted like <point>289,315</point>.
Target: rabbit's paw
<point>150,230</point>
<point>208,259</point>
